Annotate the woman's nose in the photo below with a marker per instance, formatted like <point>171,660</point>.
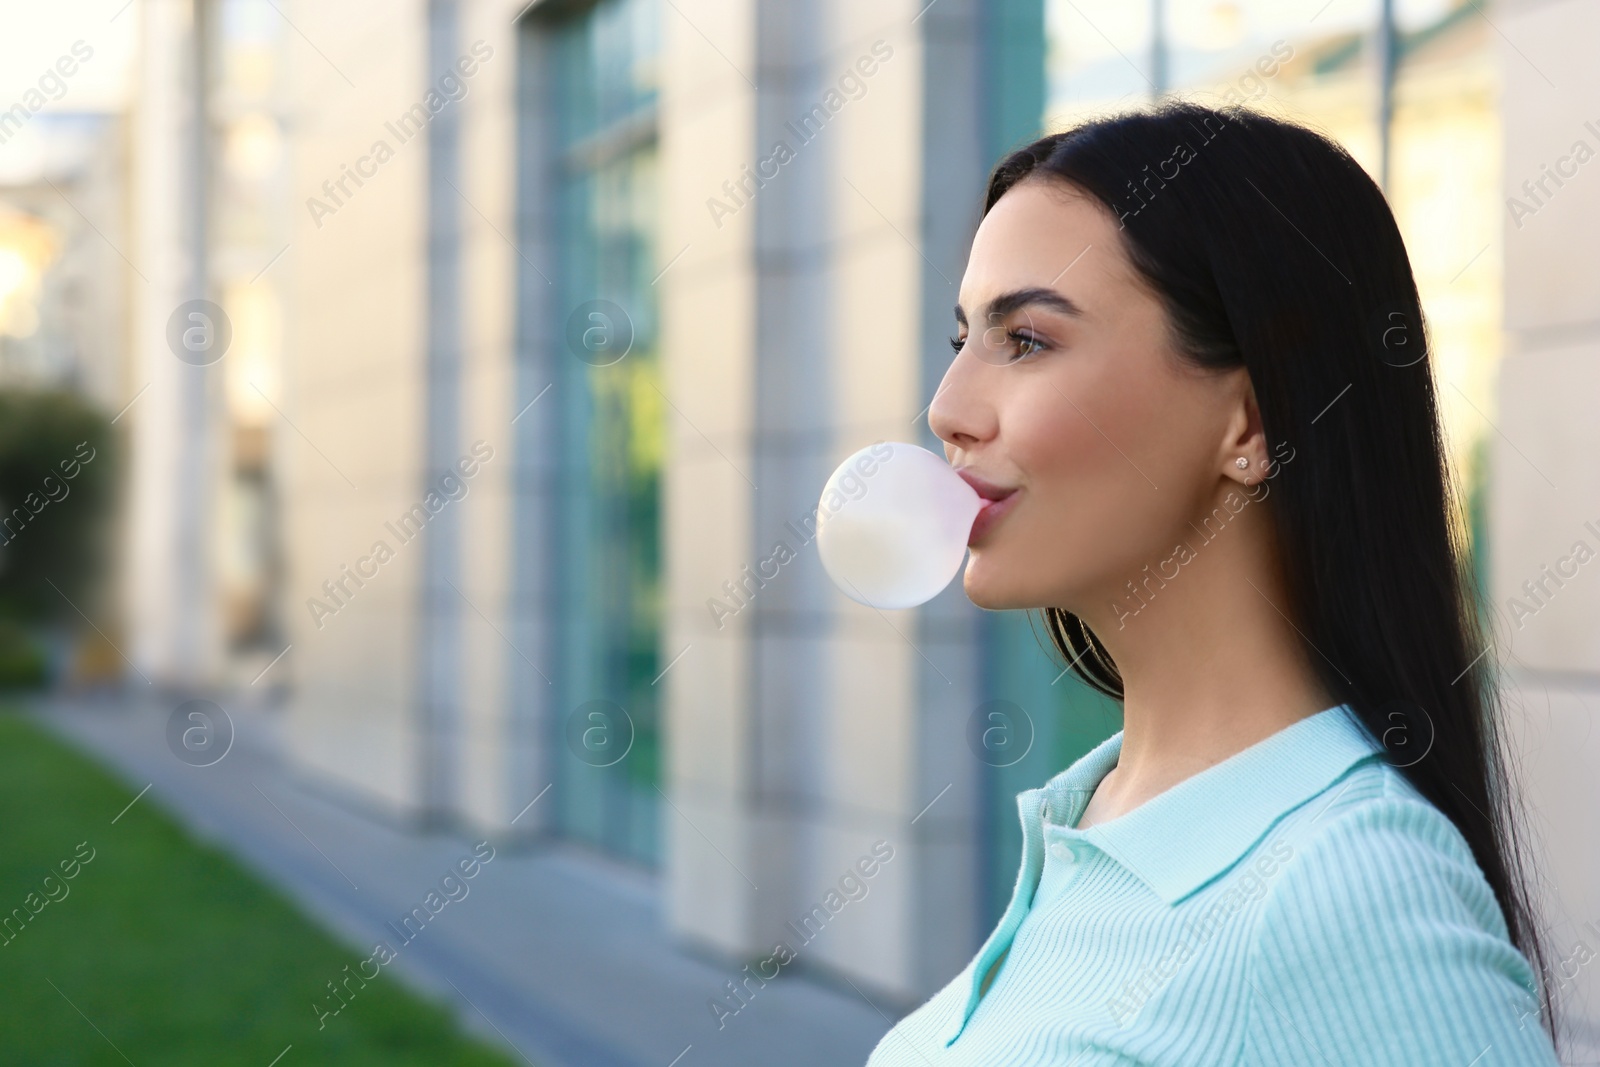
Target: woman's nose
<point>962,414</point>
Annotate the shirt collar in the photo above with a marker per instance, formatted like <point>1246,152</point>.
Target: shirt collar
<point>1180,839</point>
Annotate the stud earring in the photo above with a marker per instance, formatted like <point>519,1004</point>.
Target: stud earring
<point>1241,463</point>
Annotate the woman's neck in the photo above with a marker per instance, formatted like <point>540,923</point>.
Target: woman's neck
<point>1211,664</point>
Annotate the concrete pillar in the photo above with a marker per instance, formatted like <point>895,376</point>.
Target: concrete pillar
<point>804,728</point>
<point>176,423</point>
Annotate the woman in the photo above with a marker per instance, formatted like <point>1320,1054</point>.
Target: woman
<point>1191,379</point>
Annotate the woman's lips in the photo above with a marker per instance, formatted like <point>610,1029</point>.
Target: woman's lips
<point>992,512</point>
<point>997,500</point>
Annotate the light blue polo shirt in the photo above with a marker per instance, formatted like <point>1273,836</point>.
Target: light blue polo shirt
<point>1298,903</point>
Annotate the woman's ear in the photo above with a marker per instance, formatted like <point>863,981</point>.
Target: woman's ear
<point>1245,438</point>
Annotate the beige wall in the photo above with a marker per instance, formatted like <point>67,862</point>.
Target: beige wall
<point>1546,483</point>
<point>353,390</point>
<point>355,386</point>
<point>707,303</point>
<point>807,727</point>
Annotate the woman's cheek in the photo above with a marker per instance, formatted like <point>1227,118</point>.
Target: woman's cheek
<point>1047,435</point>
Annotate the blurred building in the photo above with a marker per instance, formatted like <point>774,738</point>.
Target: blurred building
<point>585,302</point>
<point>65,280</point>
<point>206,186</point>
<point>62,291</point>
<point>550,319</point>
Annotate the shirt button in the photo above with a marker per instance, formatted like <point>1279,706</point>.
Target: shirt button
<point>1061,852</point>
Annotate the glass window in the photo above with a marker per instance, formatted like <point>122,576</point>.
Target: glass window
<point>1317,68</point>
<point>1036,721</point>
<point>607,567</point>
<point>1322,70</point>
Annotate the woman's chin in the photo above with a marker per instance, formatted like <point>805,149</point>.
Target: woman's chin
<point>986,589</point>
<point>994,586</point>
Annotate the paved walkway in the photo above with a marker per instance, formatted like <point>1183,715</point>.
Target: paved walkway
<point>553,952</point>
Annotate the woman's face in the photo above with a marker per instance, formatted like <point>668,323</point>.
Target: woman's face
<point>1067,390</point>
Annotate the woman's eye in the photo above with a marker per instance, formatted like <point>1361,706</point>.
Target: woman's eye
<point>1026,344</point>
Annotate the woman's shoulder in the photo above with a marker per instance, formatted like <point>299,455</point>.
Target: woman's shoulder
<point>1382,914</point>
<point>1372,836</point>
<point>1375,802</point>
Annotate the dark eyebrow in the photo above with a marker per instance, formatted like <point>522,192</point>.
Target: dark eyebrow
<point>1006,303</point>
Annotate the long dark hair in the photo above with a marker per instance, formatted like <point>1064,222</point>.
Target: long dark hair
<point>1273,250</point>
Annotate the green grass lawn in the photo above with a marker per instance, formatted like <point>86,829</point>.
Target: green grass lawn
<point>165,946</point>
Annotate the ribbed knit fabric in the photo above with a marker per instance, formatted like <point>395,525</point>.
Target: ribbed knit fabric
<point>1298,903</point>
